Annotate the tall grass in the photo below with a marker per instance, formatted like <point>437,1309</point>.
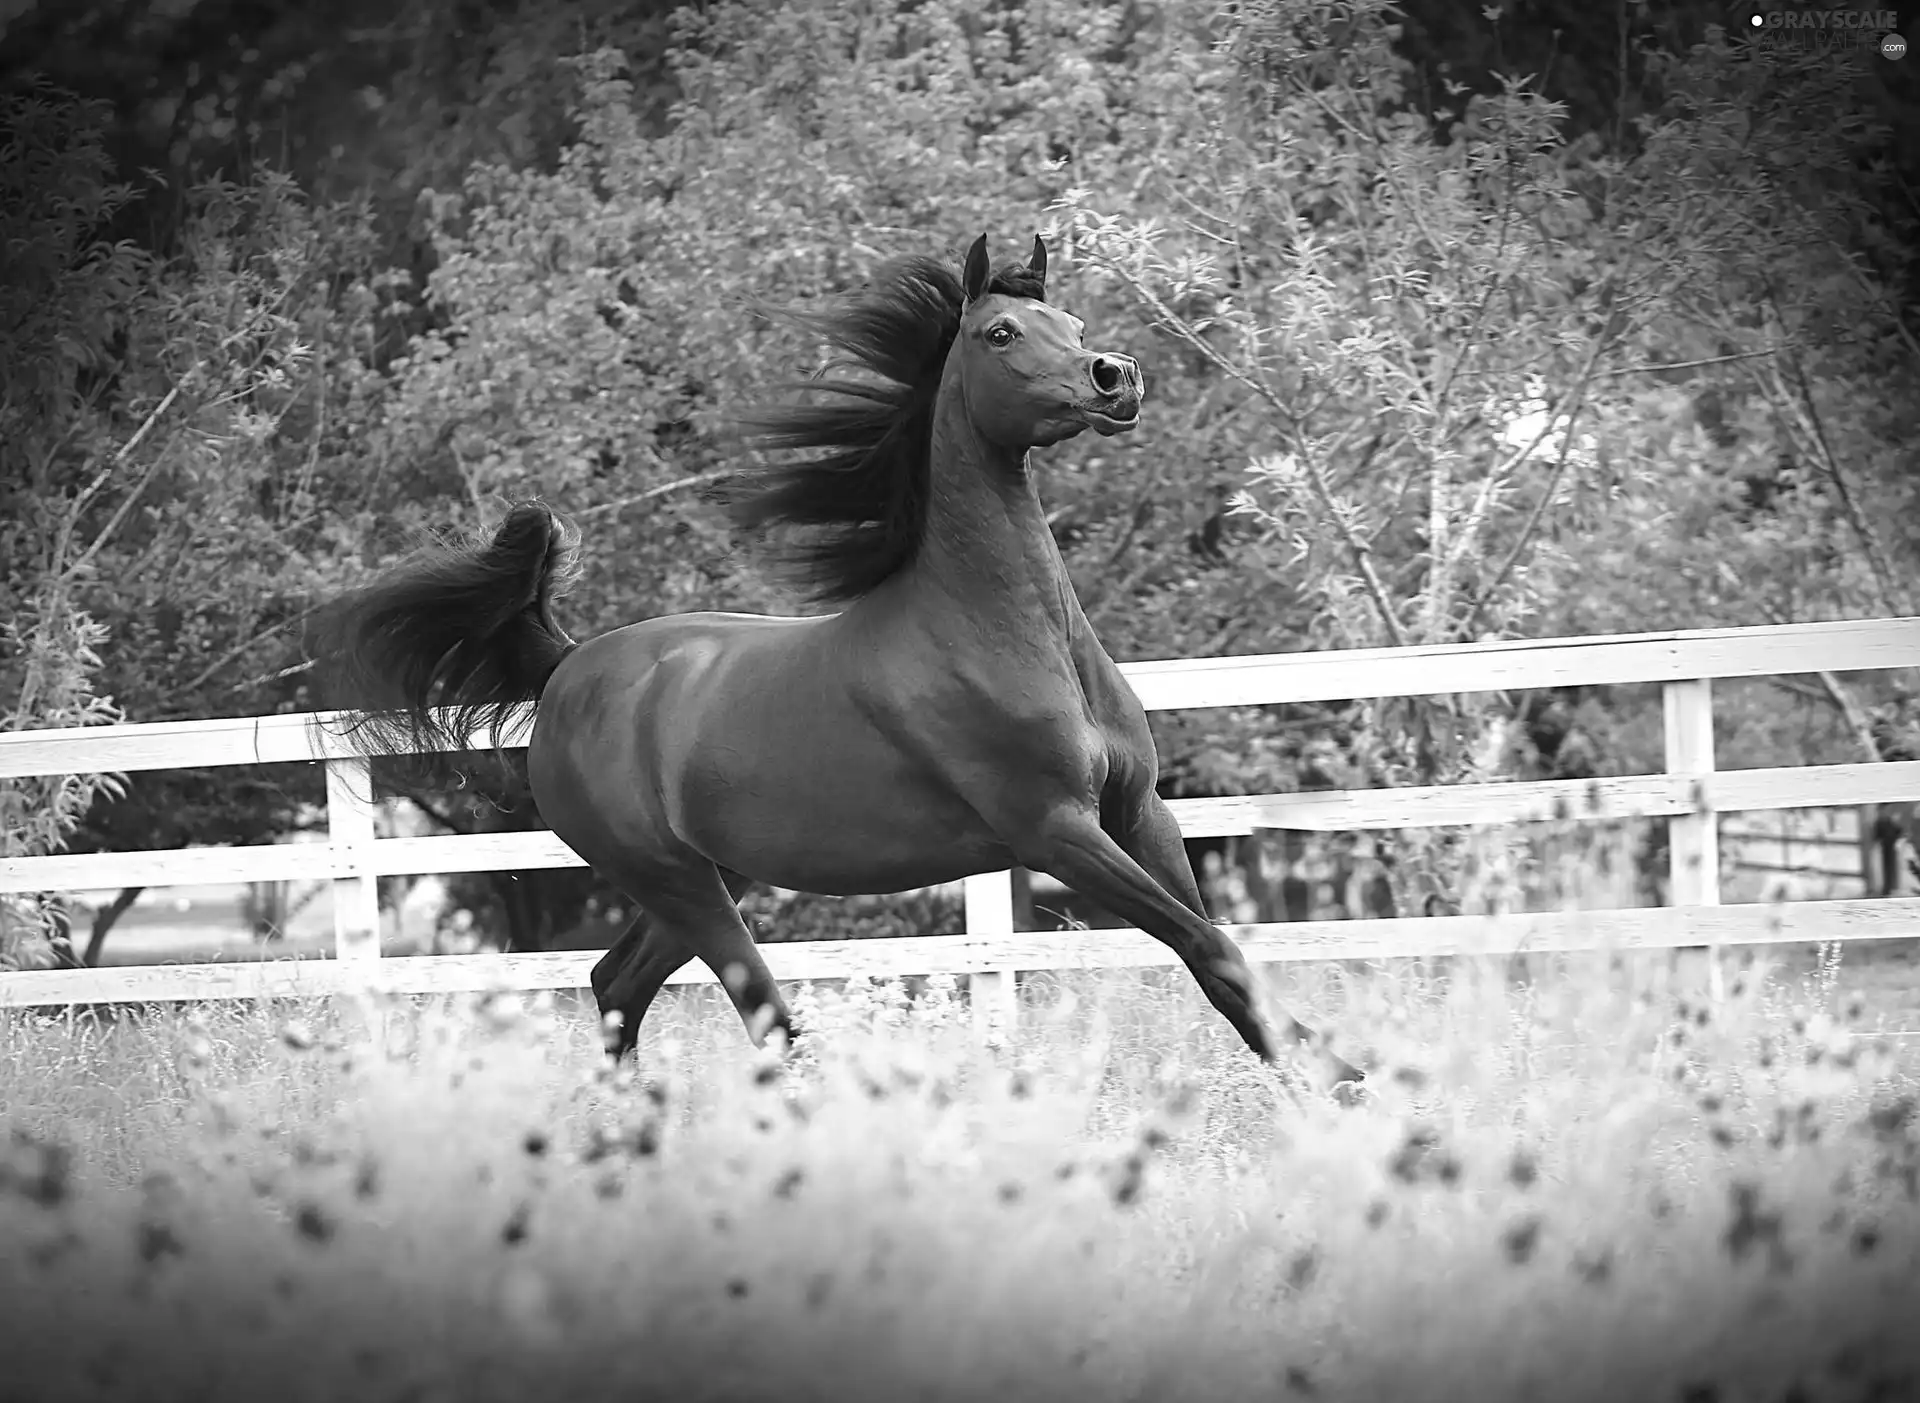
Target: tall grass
<point>1588,1185</point>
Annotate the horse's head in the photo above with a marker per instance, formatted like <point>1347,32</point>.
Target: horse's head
<point>1026,378</point>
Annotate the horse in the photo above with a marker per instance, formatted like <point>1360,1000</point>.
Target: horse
<point>954,715</point>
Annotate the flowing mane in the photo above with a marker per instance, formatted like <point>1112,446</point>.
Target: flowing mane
<point>848,518</point>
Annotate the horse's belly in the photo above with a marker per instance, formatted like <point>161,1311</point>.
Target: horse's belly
<point>843,821</point>
<point>847,871</point>
<point>739,738</point>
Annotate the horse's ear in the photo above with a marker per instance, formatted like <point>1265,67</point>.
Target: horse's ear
<point>973,278</point>
<point>1037,265</point>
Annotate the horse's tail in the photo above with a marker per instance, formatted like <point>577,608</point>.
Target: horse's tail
<point>448,644</point>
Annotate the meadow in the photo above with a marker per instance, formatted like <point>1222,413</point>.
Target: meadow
<point>1589,1183</point>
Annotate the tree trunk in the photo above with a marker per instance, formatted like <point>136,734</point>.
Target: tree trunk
<point>104,920</point>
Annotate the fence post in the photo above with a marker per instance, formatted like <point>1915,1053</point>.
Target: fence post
<point>350,832</point>
<point>992,993</point>
<point>1693,839</point>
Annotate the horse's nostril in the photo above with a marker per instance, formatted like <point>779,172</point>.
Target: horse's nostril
<point>1108,377</point>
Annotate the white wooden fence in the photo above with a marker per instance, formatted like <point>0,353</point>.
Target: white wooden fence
<point>1690,792</point>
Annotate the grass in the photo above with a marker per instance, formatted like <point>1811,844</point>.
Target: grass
<point>1589,1186</point>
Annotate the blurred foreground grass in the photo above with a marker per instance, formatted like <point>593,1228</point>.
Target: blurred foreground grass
<point>1586,1186</point>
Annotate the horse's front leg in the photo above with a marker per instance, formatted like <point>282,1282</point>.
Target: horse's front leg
<point>1151,836</point>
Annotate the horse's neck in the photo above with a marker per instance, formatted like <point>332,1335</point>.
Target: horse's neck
<point>987,547</point>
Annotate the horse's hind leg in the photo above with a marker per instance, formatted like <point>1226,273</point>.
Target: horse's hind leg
<point>689,911</point>
<point>1153,840</point>
<point>629,977</point>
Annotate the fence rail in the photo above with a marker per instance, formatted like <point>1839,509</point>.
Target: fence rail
<point>1690,793</point>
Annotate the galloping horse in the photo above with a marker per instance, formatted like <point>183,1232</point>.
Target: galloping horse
<point>957,716</point>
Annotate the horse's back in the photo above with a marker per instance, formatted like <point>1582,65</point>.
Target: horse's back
<point>633,694</point>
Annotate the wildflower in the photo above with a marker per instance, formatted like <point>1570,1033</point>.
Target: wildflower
<point>1754,1226</point>
<point>1521,1237</point>
<point>155,1238</point>
<point>1303,1268</point>
<point>309,1153</point>
<point>1412,1078</point>
<point>40,1171</point>
<point>154,1235</point>
<point>312,1221</point>
<point>500,1011</point>
<point>1594,1268</point>
<point>1888,1119</point>
<point>1523,1170</point>
<point>47,1252</point>
<point>220,1109</point>
<point>639,1140</point>
<point>1420,1156</point>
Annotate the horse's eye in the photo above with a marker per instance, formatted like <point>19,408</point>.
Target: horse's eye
<point>1000,336</point>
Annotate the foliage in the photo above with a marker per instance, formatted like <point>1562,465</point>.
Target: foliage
<point>1402,327</point>
<point>1438,342</point>
<point>67,295</point>
<point>1773,423</point>
<point>1409,326</point>
<point>1790,493</point>
<point>782,916</point>
<point>181,433</point>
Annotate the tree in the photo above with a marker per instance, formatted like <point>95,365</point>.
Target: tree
<point>1438,340</point>
<point>181,438</point>
<point>67,295</point>
<point>1420,366</point>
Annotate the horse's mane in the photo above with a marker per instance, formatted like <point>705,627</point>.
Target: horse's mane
<point>860,504</point>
